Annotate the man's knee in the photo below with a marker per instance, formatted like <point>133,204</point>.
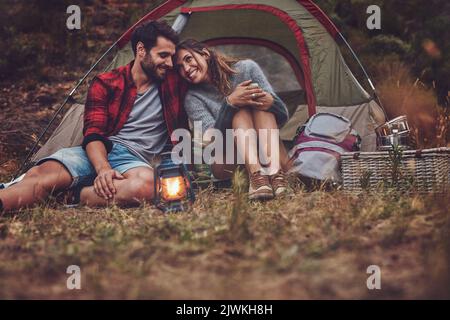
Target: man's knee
<point>141,185</point>
<point>143,189</point>
<point>37,172</point>
<point>49,176</point>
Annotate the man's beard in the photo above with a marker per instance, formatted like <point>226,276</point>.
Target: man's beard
<point>151,72</point>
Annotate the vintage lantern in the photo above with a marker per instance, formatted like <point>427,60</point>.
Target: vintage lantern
<point>172,185</point>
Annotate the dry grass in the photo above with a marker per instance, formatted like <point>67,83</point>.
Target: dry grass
<point>402,94</point>
<point>311,245</point>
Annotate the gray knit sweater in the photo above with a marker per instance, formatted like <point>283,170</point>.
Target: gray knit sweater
<point>203,101</point>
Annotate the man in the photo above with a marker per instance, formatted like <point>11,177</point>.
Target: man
<point>130,114</point>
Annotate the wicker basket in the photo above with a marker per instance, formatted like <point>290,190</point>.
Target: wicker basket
<point>417,170</point>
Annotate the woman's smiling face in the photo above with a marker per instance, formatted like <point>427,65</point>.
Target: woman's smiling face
<point>192,66</point>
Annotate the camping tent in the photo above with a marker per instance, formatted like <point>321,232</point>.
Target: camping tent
<point>297,33</point>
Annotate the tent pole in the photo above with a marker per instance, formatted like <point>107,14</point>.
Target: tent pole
<point>365,74</point>
<point>68,98</point>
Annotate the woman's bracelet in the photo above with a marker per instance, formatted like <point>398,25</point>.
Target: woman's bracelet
<point>228,102</point>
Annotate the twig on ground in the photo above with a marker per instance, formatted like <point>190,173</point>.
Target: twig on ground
<point>9,131</point>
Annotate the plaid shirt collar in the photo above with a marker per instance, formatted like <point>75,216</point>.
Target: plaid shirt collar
<point>129,76</point>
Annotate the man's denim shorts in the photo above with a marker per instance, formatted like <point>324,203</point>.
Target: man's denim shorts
<point>77,163</point>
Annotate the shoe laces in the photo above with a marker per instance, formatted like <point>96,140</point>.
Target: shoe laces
<point>258,180</point>
<point>279,179</point>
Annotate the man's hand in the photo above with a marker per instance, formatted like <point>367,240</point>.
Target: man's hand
<point>103,184</point>
<point>245,95</point>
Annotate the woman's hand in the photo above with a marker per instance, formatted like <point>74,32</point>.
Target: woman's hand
<point>266,101</point>
<point>245,95</point>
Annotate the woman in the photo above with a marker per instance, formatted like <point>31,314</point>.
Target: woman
<point>226,93</point>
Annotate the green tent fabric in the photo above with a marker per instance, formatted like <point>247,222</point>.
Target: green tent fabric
<point>298,32</point>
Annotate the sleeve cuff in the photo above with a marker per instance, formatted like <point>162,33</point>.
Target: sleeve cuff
<point>97,137</point>
<point>229,104</point>
<point>280,111</point>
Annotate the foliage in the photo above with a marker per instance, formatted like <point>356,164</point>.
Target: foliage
<point>388,44</point>
<point>36,38</point>
<point>413,32</point>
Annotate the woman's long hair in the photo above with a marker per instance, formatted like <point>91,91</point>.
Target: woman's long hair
<point>220,66</point>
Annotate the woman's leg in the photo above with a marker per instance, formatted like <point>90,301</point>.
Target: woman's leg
<point>244,130</point>
<point>246,139</point>
<point>268,152</point>
<point>272,149</point>
<point>222,168</point>
<point>285,162</point>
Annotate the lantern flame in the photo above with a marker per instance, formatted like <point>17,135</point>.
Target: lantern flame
<point>173,188</point>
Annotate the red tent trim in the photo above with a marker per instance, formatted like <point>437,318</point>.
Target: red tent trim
<point>321,16</point>
<point>265,43</point>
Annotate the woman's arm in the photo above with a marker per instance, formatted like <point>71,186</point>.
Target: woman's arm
<point>197,111</point>
<point>245,96</point>
<point>266,101</point>
<point>270,102</point>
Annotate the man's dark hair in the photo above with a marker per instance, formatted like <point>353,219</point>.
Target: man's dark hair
<point>147,33</point>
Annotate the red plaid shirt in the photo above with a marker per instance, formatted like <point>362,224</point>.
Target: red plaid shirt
<point>111,97</point>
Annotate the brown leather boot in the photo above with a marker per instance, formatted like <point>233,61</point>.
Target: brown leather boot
<point>260,187</point>
<point>279,183</point>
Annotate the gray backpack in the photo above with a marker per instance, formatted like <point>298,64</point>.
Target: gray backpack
<point>319,144</point>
